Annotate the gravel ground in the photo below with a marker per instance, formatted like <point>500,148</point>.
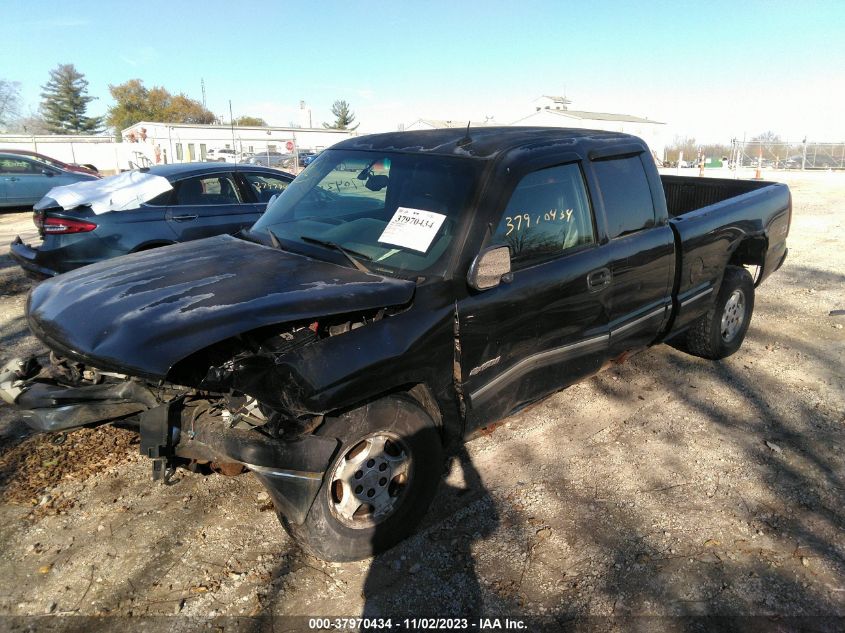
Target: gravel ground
<point>667,486</point>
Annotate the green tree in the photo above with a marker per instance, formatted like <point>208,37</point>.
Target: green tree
<point>65,101</point>
<point>134,102</point>
<point>251,121</point>
<point>10,93</point>
<point>344,117</point>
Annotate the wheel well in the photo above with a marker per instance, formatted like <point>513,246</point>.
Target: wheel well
<point>449,426</point>
<point>150,245</point>
<point>424,396</point>
<point>421,393</point>
<point>751,251</point>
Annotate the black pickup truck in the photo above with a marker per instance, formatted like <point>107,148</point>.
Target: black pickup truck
<point>404,291</point>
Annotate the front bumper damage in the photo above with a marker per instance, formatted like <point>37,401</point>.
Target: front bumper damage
<point>175,426</point>
<point>291,470</point>
<point>47,399</point>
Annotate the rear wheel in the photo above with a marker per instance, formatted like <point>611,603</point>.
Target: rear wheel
<point>720,332</point>
<point>379,486</point>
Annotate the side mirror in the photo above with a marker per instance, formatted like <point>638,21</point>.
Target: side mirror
<point>490,268</point>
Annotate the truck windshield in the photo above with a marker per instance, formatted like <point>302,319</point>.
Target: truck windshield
<point>399,211</point>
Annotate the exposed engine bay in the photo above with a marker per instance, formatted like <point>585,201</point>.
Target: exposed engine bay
<point>216,376</point>
<point>215,423</point>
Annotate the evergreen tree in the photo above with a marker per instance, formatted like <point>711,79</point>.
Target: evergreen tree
<point>65,100</point>
<point>344,116</point>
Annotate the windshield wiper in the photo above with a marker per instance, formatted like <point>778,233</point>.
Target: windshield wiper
<point>347,252</point>
<point>274,240</point>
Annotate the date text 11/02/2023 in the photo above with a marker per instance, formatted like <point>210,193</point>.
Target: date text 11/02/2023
<point>523,221</point>
<point>413,624</point>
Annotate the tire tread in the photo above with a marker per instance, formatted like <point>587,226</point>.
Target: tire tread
<point>703,338</point>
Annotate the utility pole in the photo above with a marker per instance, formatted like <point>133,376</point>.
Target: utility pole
<point>232,125</point>
<point>202,84</point>
<point>804,154</point>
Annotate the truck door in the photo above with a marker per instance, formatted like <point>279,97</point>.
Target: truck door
<point>641,251</point>
<point>208,205</point>
<point>547,327</point>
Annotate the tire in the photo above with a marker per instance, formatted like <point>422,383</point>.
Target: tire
<point>390,452</point>
<point>720,332</point>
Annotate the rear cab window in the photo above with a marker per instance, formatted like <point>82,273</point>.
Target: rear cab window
<point>628,204</point>
<point>548,215</point>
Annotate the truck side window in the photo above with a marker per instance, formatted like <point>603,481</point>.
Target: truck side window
<point>548,214</point>
<point>627,198</point>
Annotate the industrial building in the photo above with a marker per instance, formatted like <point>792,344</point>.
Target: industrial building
<point>185,143</point>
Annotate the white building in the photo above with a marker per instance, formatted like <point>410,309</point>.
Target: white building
<point>100,151</point>
<point>553,111</point>
<point>185,143</point>
<point>439,124</point>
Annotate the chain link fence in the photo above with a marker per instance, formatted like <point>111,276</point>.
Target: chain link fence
<point>788,155</point>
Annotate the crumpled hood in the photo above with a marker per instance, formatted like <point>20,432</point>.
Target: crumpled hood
<point>142,313</point>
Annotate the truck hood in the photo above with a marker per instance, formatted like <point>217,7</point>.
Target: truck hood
<point>142,313</point>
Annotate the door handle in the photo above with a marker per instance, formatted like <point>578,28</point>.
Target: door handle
<point>183,218</point>
<point>13,179</point>
<point>599,279</point>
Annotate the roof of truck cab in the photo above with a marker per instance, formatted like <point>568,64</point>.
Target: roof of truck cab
<point>175,171</point>
<point>486,142</point>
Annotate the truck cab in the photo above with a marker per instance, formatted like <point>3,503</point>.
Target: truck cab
<point>402,292</point>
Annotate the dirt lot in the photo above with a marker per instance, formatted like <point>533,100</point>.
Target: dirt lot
<point>667,486</point>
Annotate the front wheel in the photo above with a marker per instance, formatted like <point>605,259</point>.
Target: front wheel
<point>720,332</point>
<point>378,487</point>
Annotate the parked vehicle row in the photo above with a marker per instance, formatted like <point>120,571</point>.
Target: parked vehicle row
<point>405,291</point>
<point>53,162</point>
<point>222,155</point>
<point>273,158</point>
<point>24,178</point>
<point>205,199</point>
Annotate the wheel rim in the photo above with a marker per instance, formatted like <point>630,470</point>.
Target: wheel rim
<point>369,481</point>
<point>733,316</point>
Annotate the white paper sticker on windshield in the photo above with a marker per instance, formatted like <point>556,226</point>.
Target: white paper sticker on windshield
<point>412,228</point>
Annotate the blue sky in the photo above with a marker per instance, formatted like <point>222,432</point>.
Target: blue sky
<point>709,69</point>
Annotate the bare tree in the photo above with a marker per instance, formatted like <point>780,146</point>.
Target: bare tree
<point>10,93</point>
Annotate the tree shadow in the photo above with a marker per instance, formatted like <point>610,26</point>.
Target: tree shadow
<point>782,548</point>
<point>401,582</point>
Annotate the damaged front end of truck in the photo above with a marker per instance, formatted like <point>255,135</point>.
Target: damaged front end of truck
<point>213,371</point>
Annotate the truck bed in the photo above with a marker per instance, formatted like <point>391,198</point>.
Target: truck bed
<point>690,193</point>
<point>721,222</point>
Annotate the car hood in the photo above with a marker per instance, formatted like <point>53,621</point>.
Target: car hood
<point>142,313</point>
